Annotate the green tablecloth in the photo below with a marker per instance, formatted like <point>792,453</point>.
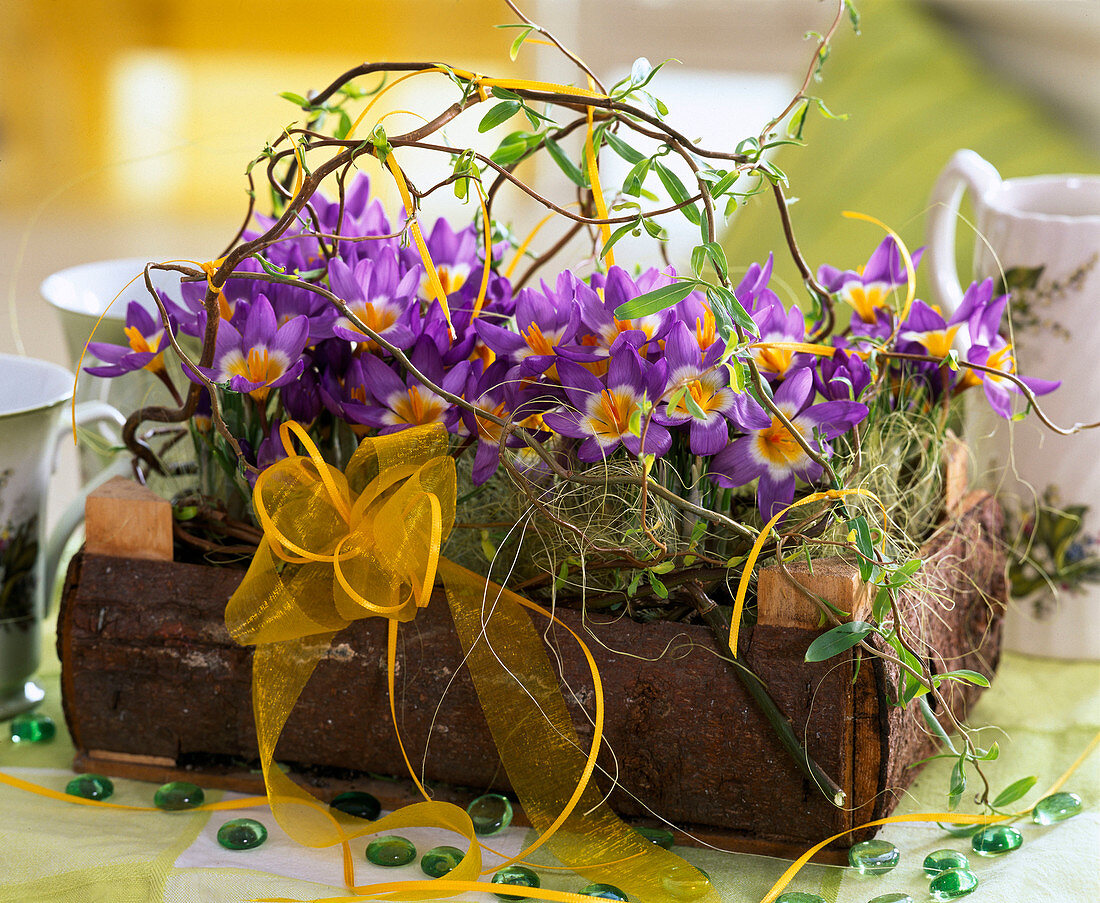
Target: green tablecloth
<point>56,851</point>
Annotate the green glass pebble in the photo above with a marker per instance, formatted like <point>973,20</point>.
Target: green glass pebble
<point>1055,808</point>
<point>993,840</point>
<point>874,857</point>
<point>952,884</point>
<point>438,861</point>
<point>90,787</point>
<point>660,836</point>
<point>357,803</point>
<point>178,795</point>
<point>491,814</point>
<point>892,898</point>
<point>33,727</point>
<point>942,860</point>
<point>604,892</point>
<point>799,896</point>
<point>390,851</point>
<point>241,834</point>
<point>517,875</point>
<point>685,882</point>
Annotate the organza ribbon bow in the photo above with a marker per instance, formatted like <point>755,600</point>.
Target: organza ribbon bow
<point>366,543</point>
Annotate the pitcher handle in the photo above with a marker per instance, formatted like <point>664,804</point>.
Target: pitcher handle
<point>965,170</point>
<point>71,518</point>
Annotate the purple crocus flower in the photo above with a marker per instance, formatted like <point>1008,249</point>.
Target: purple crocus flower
<point>191,313</point>
<point>147,338</point>
<point>926,327</point>
<point>616,288</point>
<point>604,408</point>
<point>753,292</point>
<point>998,390</point>
<point>707,382</point>
<point>453,253</point>
<point>507,398</point>
<point>544,319</point>
<point>842,377</point>
<point>404,402</point>
<point>867,291</point>
<point>376,293</point>
<point>980,313</point>
<point>774,455</point>
<point>262,355</point>
<point>778,325</point>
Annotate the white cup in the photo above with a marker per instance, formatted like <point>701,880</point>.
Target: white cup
<point>1041,236</point>
<point>34,399</point>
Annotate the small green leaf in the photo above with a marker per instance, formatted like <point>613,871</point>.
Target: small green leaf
<point>513,51</point>
<point>658,299</point>
<point>296,99</point>
<point>677,192</point>
<point>837,640</point>
<point>623,149</point>
<point>654,229</point>
<point>1014,791</point>
<point>698,259</point>
<point>725,183</point>
<point>726,302</point>
<point>617,234</point>
<point>717,257</point>
<point>634,180</point>
<point>881,606</point>
<point>958,784</point>
<point>564,163</point>
<point>933,722</point>
<point>964,674</point>
<point>659,588</point>
<point>863,544</point>
<point>498,114</point>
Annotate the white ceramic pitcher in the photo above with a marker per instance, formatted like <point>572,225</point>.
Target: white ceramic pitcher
<point>1040,238</point>
<point>34,402</point>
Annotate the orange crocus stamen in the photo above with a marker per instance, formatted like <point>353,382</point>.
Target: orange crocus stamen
<point>140,344</point>
<point>777,446</point>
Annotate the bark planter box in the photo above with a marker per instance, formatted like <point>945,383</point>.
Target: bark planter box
<point>154,688</point>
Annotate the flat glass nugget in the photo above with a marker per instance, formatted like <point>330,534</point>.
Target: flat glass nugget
<point>33,727</point>
<point>942,860</point>
<point>660,836</point>
<point>952,884</point>
<point>892,898</point>
<point>993,840</point>
<point>438,861</point>
<point>242,834</point>
<point>517,875</point>
<point>603,891</point>
<point>390,851</point>
<point>357,803</point>
<point>874,857</point>
<point>1055,808</point>
<point>799,896</point>
<point>90,787</point>
<point>178,795</point>
<point>685,882</point>
<point>491,814</point>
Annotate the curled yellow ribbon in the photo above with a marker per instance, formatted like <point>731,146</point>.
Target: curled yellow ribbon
<point>365,542</point>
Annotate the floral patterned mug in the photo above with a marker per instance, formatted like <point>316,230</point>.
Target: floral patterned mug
<point>34,397</point>
<point>1038,239</point>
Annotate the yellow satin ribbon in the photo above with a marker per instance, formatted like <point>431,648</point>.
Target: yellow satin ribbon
<point>339,546</point>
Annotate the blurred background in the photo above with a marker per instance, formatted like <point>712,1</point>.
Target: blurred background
<point>126,125</point>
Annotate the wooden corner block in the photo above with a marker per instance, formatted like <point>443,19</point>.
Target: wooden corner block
<point>781,604</point>
<point>956,464</point>
<point>125,520</point>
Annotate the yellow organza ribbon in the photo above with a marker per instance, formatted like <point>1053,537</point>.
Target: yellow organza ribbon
<point>365,542</point>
